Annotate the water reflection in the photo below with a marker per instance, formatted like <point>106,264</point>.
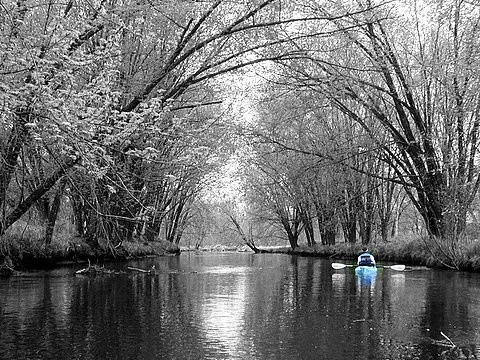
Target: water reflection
<point>222,312</point>
<point>238,306</point>
<point>338,282</point>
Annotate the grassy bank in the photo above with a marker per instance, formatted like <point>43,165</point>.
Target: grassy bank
<point>23,253</point>
<point>414,252</point>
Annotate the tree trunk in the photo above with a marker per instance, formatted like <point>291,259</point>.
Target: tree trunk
<point>350,231</point>
<point>10,157</point>
<point>308,226</point>
<point>53,212</point>
<point>327,226</point>
<point>349,222</point>
<point>26,204</point>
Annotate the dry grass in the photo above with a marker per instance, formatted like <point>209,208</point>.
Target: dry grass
<point>409,251</point>
<point>24,244</point>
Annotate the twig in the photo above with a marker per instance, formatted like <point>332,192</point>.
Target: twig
<point>85,270</point>
<point>448,339</point>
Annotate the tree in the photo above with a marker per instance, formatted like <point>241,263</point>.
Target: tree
<point>399,77</point>
<point>110,92</point>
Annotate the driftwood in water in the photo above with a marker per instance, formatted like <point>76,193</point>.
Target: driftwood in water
<point>150,271</point>
<point>457,353</point>
<point>96,270</point>
<point>7,268</point>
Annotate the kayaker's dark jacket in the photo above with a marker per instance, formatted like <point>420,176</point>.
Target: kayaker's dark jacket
<point>366,259</point>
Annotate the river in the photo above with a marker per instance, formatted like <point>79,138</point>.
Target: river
<point>238,306</point>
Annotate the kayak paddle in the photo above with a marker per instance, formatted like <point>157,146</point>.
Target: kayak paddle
<point>338,266</point>
<point>394,267</point>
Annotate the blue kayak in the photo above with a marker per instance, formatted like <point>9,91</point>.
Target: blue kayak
<point>366,274</point>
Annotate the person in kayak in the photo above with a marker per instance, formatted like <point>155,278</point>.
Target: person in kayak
<point>365,258</point>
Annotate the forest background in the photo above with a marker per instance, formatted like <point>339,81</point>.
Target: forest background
<point>131,127</point>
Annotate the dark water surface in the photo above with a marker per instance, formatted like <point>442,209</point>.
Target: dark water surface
<point>238,306</point>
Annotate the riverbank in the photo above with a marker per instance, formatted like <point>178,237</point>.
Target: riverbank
<point>25,255</point>
<point>411,252</point>
<point>416,252</point>
<point>22,254</point>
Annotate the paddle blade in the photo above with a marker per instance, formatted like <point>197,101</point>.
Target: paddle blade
<point>338,266</point>
<point>396,267</point>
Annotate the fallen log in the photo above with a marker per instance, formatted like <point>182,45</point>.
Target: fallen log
<point>95,269</point>
<point>152,269</point>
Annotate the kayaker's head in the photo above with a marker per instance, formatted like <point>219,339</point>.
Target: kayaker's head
<point>364,249</point>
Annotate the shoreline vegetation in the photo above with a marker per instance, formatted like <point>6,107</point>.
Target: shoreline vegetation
<point>25,255</point>
<point>414,253</point>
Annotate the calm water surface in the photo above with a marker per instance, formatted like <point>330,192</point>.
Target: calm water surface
<point>238,306</point>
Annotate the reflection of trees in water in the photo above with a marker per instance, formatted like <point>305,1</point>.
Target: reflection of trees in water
<point>137,317</point>
<point>268,304</point>
<point>314,306</point>
<point>451,306</point>
<point>102,317</point>
<point>103,314</point>
<point>301,300</point>
<point>40,307</point>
